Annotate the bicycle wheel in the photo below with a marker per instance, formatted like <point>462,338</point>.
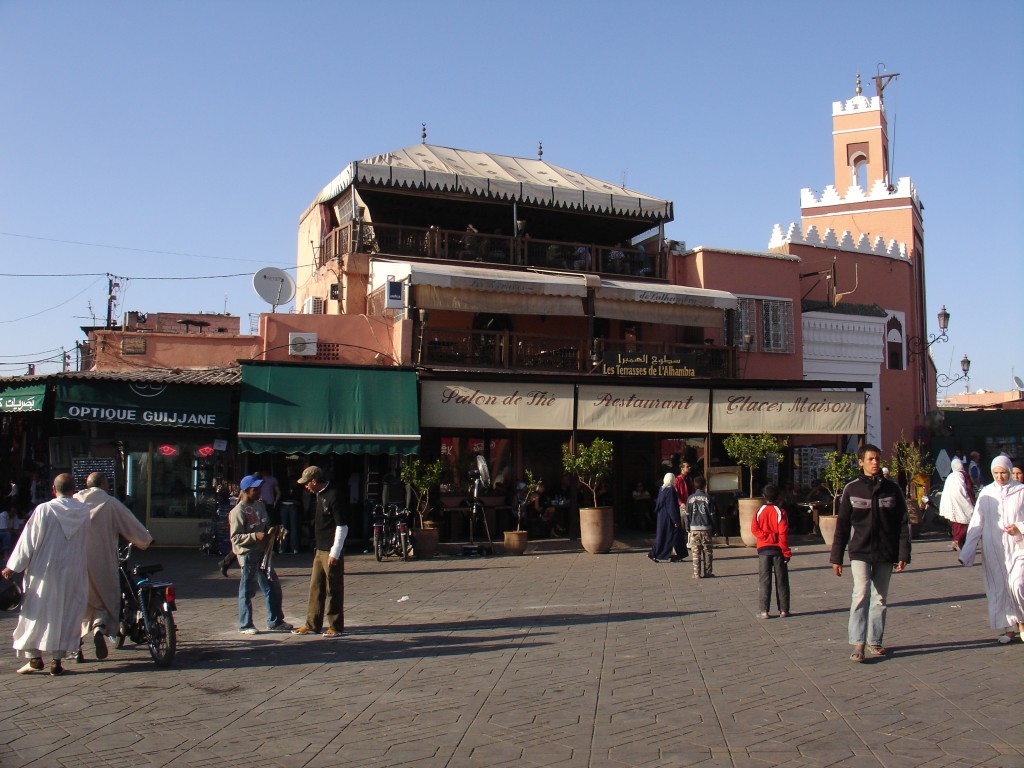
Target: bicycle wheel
<point>163,636</point>
<point>378,546</point>
<point>404,543</point>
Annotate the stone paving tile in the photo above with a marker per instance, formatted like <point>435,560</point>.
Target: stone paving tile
<point>557,659</point>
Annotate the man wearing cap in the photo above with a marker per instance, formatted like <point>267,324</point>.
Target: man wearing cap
<point>325,610</point>
<point>248,523</point>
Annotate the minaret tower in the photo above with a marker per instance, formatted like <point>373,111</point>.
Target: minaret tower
<point>864,199</point>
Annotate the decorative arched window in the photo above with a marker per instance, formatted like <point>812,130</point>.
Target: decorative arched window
<point>859,170</point>
<point>894,352</point>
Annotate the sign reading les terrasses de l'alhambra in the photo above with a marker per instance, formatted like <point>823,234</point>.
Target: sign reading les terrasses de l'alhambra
<point>643,365</point>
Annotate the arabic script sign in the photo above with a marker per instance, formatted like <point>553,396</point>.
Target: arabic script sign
<point>643,365</point>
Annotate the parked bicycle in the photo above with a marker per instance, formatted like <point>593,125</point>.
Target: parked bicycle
<point>391,533</point>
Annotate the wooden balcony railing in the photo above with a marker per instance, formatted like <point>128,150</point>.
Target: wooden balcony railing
<point>481,248</point>
<point>511,350</point>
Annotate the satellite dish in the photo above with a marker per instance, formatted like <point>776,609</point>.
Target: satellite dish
<point>1018,383</point>
<point>274,286</point>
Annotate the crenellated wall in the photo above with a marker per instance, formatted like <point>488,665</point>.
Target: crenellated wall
<point>854,194</point>
<point>844,242</point>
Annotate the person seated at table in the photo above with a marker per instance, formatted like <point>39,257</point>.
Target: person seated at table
<point>643,262</point>
<point>616,260</point>
<point>582,259</point>
<point>555,257</point>
<point>469,243</point>
<point>643,508</point>
<point>819,500</point>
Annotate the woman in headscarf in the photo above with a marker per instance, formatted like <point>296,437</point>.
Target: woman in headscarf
<point>669,523</point>
<point>998,522</point>
<point>957,502</point>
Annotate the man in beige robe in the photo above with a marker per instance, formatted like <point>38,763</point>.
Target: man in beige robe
<point>108,519</point>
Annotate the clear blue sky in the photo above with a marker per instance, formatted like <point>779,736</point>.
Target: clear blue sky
<point>154,140</point>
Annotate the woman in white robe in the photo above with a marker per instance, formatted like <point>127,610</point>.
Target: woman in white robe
<point>998,523</point>
<point>957,502</point>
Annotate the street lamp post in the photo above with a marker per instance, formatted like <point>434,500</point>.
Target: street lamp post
<point>916,344</point>
<point>947,381</point>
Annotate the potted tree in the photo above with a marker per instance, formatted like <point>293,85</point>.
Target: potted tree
<point>419,477</point>
<point>839,469</point>
<point>910,464</point>
<point>750,451</point>
<point>516,541</point>
<point>589,464</point>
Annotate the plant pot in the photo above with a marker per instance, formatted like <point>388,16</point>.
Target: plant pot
<point>515,542</point>
<point>426,542</point>
<point>597,529</point>
<point>748,508</point>
<point>827,528</point>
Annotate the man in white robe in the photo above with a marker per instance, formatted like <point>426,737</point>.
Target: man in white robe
<point>108,519</point>
<point>51,554</point>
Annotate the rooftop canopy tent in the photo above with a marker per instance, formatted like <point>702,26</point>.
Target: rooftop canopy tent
<point>327,409</point>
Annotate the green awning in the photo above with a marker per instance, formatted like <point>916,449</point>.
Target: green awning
<point>147,404</point>
<point>320,409</point>
<point>26,398</point>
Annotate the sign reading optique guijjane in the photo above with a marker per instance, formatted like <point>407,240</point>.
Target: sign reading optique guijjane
<point>495,405</point>
<point>643,409</point>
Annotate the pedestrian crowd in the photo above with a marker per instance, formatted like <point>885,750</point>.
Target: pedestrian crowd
<point>67,555</point>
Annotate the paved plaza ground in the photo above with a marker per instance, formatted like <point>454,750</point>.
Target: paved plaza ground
<point>555,658</point>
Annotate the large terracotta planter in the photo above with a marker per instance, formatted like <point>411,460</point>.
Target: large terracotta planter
<point>426,542</point>
<point>597,529</point>
<point>827,528</point>
<point>748,508</point>
<point>515,542</point>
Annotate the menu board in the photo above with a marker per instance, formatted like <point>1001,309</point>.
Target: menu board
<point>82,468</point>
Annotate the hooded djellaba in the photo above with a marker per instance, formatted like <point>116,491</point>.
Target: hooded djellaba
<point>998,524</point>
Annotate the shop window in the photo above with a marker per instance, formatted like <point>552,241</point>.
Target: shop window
<point>460,455</point>
<point>179,477</point>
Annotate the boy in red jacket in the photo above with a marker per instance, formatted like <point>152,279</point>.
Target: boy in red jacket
<point>771,527</point>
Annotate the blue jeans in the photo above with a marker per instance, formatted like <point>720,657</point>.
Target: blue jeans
<point>867,608</point>
<point>269,585</point>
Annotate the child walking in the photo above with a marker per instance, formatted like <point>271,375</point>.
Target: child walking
<point>771,528</point>
<point>700,521</point>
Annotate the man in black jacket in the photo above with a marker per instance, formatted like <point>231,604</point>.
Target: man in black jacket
<point>327,579</point>
<point>873,522</point>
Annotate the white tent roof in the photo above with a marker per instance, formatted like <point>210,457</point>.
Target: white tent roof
<point>534,181</point>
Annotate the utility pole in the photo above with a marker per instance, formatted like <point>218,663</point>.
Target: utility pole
<point>112,285</point>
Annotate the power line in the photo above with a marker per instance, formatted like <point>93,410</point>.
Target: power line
<point>122,247</point>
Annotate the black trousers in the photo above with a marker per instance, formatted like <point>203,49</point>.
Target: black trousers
<point>767,565</point>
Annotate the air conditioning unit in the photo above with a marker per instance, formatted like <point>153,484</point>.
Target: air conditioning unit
<point>313,305</point>
<point>302,344</point>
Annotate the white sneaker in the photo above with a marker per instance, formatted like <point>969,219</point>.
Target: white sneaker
<point>249,631</point>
